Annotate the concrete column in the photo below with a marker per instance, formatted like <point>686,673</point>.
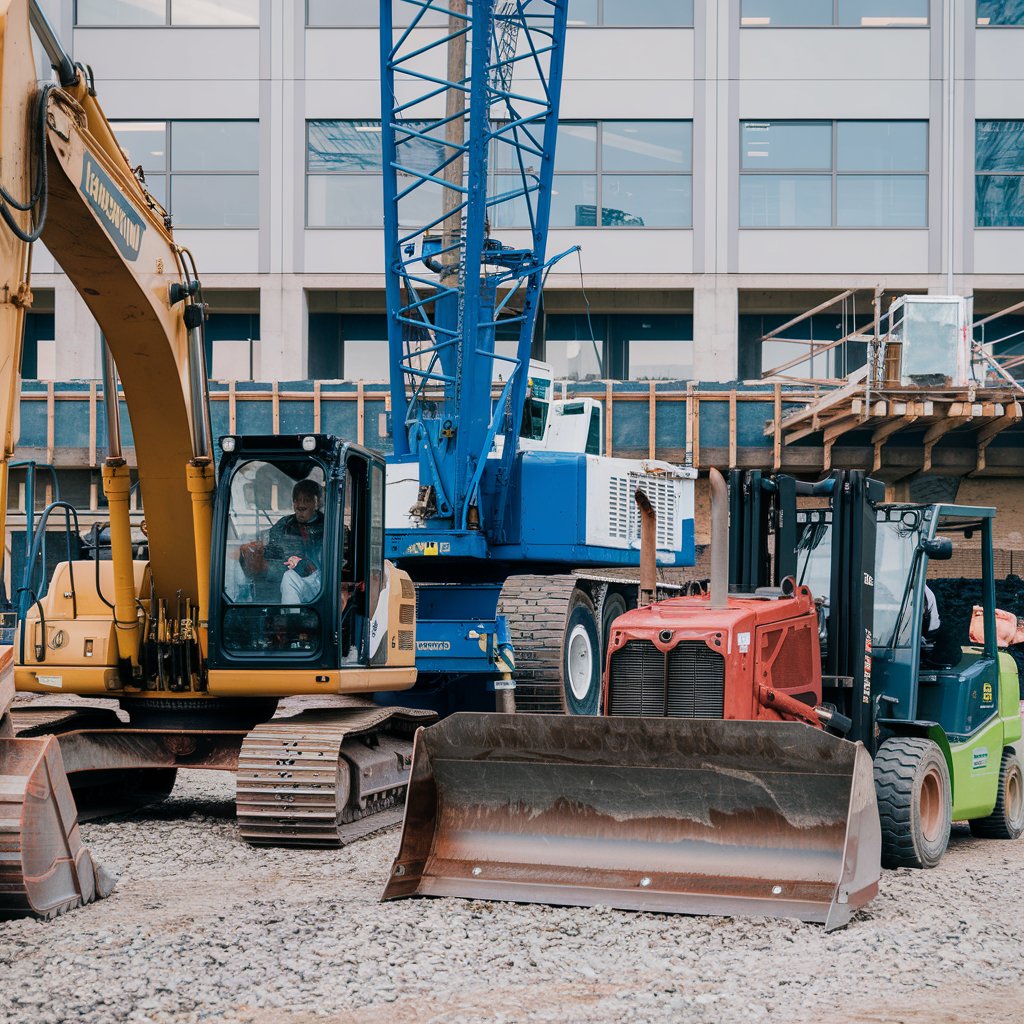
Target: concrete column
<point>715,331</point>
<point>284,330</point>
<point>78,336</point>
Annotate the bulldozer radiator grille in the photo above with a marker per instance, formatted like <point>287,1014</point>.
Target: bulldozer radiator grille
<point>688,682</point>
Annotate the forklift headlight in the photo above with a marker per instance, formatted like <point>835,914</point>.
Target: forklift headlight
<point>309,444</point>
<point>227,444</point>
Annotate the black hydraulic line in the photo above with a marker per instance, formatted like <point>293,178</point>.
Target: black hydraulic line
<point>39,199</point>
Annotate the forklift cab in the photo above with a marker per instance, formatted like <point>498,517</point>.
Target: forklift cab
<point>298,552</point>
<point>907,682</point>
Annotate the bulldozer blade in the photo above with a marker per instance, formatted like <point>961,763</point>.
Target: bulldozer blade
<point>692,816</point>
<point>44,868</point>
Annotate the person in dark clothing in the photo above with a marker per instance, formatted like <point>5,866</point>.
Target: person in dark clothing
<point>291,558</point>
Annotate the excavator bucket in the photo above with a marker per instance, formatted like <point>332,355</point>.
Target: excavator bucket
<point>44,868</point>
<point>692,816</point>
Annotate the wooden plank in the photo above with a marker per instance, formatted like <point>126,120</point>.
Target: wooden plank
<point>732,429</point>
<point>316,407</point>
<point>935,433</point>
<point>232,408</point>
<point>777,434</point>
<point>988,433</point>
<point>275,405</point>
<point>360,414</point>
<point>92,422</point>
<point>49,423</point>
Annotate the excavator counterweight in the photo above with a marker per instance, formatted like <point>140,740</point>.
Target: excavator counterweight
<point>690,816</point>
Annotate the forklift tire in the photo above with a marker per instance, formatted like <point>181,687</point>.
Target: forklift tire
<point>1007,818</point>
<point>914,803</point>
<point>581,658</point>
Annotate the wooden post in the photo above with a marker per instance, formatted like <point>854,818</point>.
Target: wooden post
<point>652,420</point>
<point>732,429</point>
<point>777,434</point>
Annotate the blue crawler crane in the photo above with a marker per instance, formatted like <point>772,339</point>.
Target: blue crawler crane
<point>513,526</point>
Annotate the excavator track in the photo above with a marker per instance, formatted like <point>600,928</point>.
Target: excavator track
<point>325,778</point>
<point>537,608</point>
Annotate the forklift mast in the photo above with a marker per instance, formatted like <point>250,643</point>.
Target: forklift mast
<point>841,532</point>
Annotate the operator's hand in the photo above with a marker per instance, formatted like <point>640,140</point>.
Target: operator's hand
<point>290,563</point>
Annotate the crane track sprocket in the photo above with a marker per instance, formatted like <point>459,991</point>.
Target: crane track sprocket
<point>537,609</point>
<point>325,778</point>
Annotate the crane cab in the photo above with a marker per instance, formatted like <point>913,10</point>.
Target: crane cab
<point>298,579</point>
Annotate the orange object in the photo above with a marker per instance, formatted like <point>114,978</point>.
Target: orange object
<point>1009,628</point>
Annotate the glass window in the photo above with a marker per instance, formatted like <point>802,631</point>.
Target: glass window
<point>999,201</point>
<point>810,13</point>
<point>215,201</point>
<point>999,146</point>
<point>215,12</point>
<point>785,201</point>
<point>204,173</point>
<point>344,187</point>
<point>999,181</point>
<point>852,193</point>
<point>168,12</point>
<point>574,346</point>
<point>631,13</point>
<point>121,12</point>
<point>274,554</point>
<point>145,144</point>
<point>875,200</point>
<point>214,145</point>
<point>883,13</point>
<point>882,146</point>
<point>366,13</point>
<point>655,194</point>
<point>1000,12</point>
<point>789,145</point>
<point>646,146</point>
<point>659,360</point>
<point>786,12</point>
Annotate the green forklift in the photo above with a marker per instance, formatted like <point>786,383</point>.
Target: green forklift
<point>940,716</point>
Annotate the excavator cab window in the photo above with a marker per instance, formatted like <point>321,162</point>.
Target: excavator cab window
<point>274,556</point>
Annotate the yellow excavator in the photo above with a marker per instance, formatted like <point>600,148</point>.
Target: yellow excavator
<point>265,579</point>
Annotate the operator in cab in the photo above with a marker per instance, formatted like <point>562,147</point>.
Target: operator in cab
<point>286,567</point>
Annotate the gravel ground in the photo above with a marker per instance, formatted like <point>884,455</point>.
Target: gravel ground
<point>203,928</point>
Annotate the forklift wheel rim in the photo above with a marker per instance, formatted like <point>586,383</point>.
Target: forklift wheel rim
<point>931,805</point>
<point>1015,796</point>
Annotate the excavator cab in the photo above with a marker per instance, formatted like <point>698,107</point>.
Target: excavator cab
<point>297,573</point>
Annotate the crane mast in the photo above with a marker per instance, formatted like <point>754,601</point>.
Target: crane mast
<point>465,154</point>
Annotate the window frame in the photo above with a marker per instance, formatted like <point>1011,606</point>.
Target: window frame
<point>834,174</point>
<point>994,174</point>
<point>835,22</point>
<point>169,173</point>
<point>166,23</point>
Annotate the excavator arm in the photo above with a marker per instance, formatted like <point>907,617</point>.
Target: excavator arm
<point>65,180</point>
